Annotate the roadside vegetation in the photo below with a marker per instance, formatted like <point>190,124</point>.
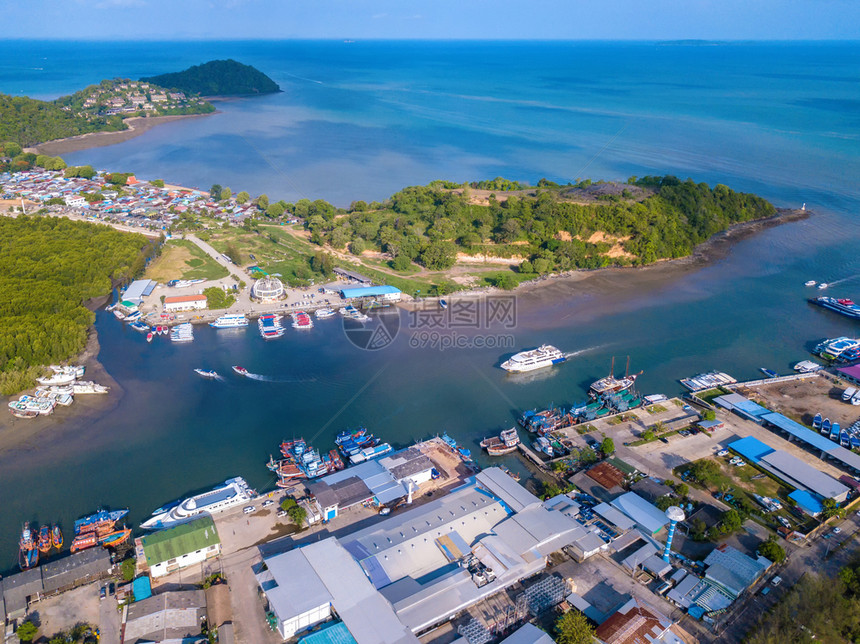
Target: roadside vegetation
<point>49,267</point>
<point>182,260</point>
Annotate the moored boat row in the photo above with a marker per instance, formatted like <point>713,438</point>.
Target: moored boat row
<point>55,390</point>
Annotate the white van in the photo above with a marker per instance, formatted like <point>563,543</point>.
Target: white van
<point>849,393</point>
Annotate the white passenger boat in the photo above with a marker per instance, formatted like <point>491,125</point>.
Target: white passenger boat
<point>58,379</point>
<point>544,356</point>
<point>234,492</point>
<point>322,314</point>
<point>231,321</point>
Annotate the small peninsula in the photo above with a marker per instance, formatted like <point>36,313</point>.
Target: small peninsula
<point>218,78</point>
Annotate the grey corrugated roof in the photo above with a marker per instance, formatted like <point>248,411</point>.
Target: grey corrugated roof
<point>17,587</point>
<point>292,584</point>
<point>172,615</point>
<point>528,634</point>
<point>733,569</point>
<point>812,479</point>
<point>615,516</point>
<point>642,512</point>
<point>406,462</point>
<point>507,489</point>
<point>81,565</point>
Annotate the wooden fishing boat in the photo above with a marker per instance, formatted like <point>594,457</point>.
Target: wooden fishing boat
<point>113,539</point>
<point>56,537</point>
<point>45,542</point>
<point>84,541</point>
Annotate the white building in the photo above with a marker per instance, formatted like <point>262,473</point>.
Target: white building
<point>184,302</point>
<point>75,201</point>
<point>268,289</point>
<point>187,544</point>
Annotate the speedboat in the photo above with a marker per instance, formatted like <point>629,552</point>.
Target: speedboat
<point>822,286</point>
<point>810,283</point>
<point>206,374</point>
<point>770,373</point>
<point>240,370</point>
<point>322,314</point>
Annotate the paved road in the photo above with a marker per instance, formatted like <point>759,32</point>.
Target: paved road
<point>109,619</point>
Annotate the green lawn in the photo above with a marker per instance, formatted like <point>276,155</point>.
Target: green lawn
<point>181,259</point>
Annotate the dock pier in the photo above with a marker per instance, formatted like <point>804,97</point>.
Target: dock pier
<point>531,456</point>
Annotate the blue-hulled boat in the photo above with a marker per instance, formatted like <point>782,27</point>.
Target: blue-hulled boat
<point>825,426</point>
<point>816,422</point>
<point>844,439</point>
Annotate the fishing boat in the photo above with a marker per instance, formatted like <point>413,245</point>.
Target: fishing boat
<point>612,385</point>
<point>232,492</point>
<point>770,373</point>
<point>230,321</point>
<point>101,520</point>
<point>137,325</point>
<point>84,541</point>
<point>119,315</point>
<point>240,370</point>
<point>59,379</point>
<point>322,314</point>
<point>56,537</point>
<point>28,553</point>
<point>206,374</point>
<point>114,538</point>
<point>88,387</point>
<point>23,413</point>
<point>270,326</point>
<point>810,283</point>
<point>844,306</point>
<point>545,355</point>
<point>504,443</point>
<point>45,542</point>
<point>542,444</point>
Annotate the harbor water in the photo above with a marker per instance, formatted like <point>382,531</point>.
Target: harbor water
<point>360,121</point>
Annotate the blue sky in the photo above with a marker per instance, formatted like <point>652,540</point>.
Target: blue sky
<point>417,19</point>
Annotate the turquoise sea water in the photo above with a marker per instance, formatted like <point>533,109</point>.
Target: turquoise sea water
<point>360,121</point>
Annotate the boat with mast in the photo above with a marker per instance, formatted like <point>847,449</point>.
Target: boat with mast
<point>56,537</point>
<point>612,385</point>
<point>45,542</point>
<point>505,443</point>
<point>28,553</point>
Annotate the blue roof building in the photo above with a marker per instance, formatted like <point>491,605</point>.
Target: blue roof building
<point>388,293</point>
<point>807,502</point>
<point>750,448</point>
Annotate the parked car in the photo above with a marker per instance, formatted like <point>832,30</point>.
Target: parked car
<point>248,509</point>
<point>267,503</point>
<point>282,513</point>
<point>102,592</point>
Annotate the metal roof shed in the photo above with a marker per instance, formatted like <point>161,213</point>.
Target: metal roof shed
<point>646,516</point>
<point>751,448</point>
<point>528,634</point>
<point>369,291</point>
<point>614,516</point>
<point>137,290</point>
<point>793,469</point>
<point>797,430</point>
<point>807,502</point>
<point>514,495</point>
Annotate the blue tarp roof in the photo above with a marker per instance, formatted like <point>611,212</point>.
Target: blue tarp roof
<point>751,448</point>
<point>753,409</point>
<point>141,588</point>
<point>796,429</point>
<point>368,291</point>
<point>807,501</point>
<point>336,633</point>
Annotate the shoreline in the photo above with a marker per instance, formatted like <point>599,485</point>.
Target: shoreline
<point>711,250</point>
<point>137,125</point>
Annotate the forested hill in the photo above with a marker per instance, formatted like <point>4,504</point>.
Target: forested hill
<point>48,268</point>
<point>218,78</point>
<point>549,227</point>
<point>27,121</point>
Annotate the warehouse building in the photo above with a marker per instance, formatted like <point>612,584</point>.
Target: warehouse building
<point>187,544</point>
<point>138,290</point>
<point>418,568</point>
<point>173,616</point>
<point>790,469</point>
<point>647,517</point>
<point>176,303</point>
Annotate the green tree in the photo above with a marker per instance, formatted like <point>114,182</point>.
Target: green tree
<point>275,210</point>
<point>158,183</point>
<point>573,628</point>
<point>705,470</point>
<point>217,298</point>
<point>709,414</point>
<point>832,509</point>
<point>682,489</point>
<point>27,631</point>
<point>287,503</point>
<point>215,192</point>
<point>128,568</point>
<point>648,435</point>
<point>770,549</point>
<point>357,247</point>
<point>439,255</point>
<point>297,514</point>
<point>607,446</point>
<point>401,263</point>
<point>226,193</point>
<point>322,263</point>
<point>243,197</point>
<point>526,267</point>
<point>730,521</point>
<point>262,202</point>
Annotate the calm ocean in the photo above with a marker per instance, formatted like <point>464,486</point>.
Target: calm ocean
<point>360,121</point>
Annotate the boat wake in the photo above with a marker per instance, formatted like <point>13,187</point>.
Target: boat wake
<point>573,354</point>
<point>844,279</point>
<point>261,378</point>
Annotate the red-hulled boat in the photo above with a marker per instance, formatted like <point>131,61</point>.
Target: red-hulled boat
<point>56,537</point>
<point>45,542</point>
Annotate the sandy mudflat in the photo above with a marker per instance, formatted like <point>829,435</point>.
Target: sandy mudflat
<point>136,126</point>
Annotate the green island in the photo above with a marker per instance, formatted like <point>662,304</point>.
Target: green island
<point>49,268</point>
<point>218,78</point>
<point>105,106</point>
